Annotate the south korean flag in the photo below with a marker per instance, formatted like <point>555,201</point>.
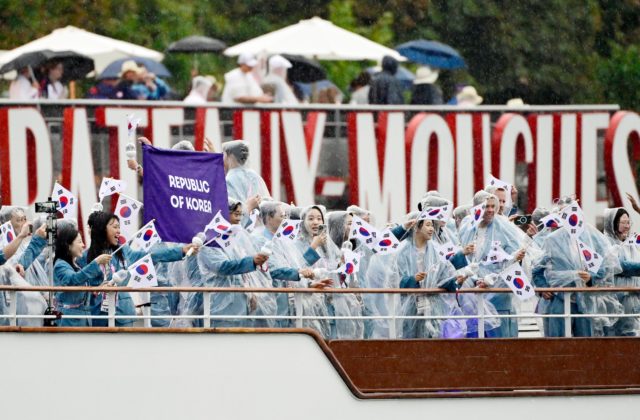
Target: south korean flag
<point>67,202</point>
<point>633,239</point>
<point>218,224</point>
<point>224,240</point>
<point>132,125</point>
<point>351,263</point>
<point>143,273</point>
<point>8,234</point>
<point>364,232</point>
<point>477,213</point>
<point>573,219</point>
<point>442,213</point>
<point>592,260</point>
<point>288,230</point>
<point>518,282</point>
<point>386,243</point>
<point>127,210</point>
<point>146,238</point>
<point>496,255</point>
<point>552,221</point>
<point>445,251</point>
<point>110,186</point>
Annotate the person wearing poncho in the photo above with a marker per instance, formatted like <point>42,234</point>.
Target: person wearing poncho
<point>562,266</point>
<point>494,229</point>
<point>242,181</point>
<point>616,229</point>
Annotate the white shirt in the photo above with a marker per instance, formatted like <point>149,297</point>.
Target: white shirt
<point>22,90</point>
<point>194,98</point>
<point>283,92</point>
<point>56,90</point>
<point>238,84</point>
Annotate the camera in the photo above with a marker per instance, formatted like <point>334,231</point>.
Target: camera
<point>50,207</point>
<point>522,220</point>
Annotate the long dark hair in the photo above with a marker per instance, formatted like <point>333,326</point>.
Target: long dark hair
<point>98,222</point>
<point>616,220</point>
<point>66,234</point>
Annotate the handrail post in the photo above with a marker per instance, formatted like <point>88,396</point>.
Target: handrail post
<point>146,310</point>
<point>393,334</point>
<point>111,298</point>
<point>480,306</point>
<point>206,304</point>
<point>567,314</point>
<point>13,308</point>
<point>297,299</point>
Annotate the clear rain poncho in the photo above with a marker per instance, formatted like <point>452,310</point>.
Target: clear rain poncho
<point>511,239</point>
<point>242,182</point>
<point>345,304</point>
<point>629,256</point>
<point>411,261</point>
<point>562,262</point>
<point>27,303</point>
<point>382,273</point>
<point>210,261</point>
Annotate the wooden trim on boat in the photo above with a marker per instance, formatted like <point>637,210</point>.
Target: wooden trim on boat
<point>366,380</point>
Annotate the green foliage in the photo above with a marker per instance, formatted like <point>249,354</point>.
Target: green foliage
<point>620,74</point>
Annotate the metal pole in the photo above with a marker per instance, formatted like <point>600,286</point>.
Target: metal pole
<point>206,303</point>
<point>111,298</point>
<point>393,334</point>
<point>480,305</point>
<point>146,310</point>
<point>567,314</point>
<point>13,308</point>
<point>297,299</point>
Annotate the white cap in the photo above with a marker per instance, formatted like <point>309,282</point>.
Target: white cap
<point>279,62</point>
<point>247,59</point>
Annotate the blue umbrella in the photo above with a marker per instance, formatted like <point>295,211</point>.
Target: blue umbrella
<point>432,53</point>
<point>112,71</point>
<point>404,75</point>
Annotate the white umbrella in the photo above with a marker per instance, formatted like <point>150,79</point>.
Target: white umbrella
<point>102,49</point>
<point>315,38</point>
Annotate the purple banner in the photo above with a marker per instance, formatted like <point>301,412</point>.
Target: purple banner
<point>182,191</point>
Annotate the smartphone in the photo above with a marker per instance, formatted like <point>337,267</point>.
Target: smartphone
<point>525,219</point>
<point>321,229</point>
<point>31,229</point>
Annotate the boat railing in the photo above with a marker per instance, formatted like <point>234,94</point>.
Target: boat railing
<point>299,317</point>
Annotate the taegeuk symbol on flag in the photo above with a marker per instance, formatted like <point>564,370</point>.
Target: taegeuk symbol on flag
<point>67,202</point>
<point>7,234</point>
<point>288,229</point>
<point>592,260</point>
<point>143,273</point>
<point>127,210</point>
<point>146,238</point>
<point>518,281</point>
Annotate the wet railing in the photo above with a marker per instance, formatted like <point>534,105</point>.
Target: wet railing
<point>298,319</point>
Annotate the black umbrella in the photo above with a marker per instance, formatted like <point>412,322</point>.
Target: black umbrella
<point>196,44</point>
<point>76,66</point>
<point>304,70</point>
